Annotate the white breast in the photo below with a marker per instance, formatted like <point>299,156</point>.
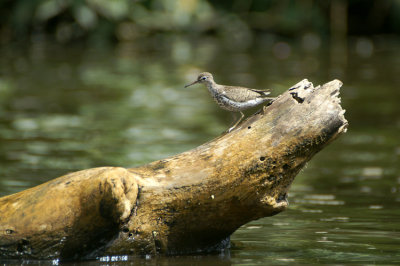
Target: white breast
<point>239,106</point>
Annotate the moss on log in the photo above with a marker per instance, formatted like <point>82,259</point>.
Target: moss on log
<point>188,203</point>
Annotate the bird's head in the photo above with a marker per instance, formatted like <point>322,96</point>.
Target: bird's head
<point>204,77</point>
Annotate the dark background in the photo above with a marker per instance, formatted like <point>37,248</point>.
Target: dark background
<point>97,22</point>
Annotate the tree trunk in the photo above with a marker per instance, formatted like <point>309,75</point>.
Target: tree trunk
<point>188,203</point>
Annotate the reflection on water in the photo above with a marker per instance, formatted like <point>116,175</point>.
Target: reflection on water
<point>63,110</point>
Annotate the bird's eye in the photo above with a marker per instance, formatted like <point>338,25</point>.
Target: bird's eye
<point>203,78</point>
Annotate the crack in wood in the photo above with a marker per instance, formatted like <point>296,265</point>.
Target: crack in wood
<point>295,96</point>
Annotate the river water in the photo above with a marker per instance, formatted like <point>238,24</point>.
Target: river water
<point>64,109</point>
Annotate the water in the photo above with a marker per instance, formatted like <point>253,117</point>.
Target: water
<point>67,109</point>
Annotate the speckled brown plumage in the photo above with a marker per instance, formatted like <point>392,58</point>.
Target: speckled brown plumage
<point>232,98</point>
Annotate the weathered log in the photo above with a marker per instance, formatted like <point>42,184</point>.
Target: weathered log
<point>191,202</point>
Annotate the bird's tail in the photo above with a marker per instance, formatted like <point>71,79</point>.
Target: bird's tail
<point>263,92</point>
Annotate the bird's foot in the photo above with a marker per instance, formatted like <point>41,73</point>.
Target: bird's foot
<point>230,129</point>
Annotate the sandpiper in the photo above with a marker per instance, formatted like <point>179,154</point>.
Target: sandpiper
<point>232,98</point>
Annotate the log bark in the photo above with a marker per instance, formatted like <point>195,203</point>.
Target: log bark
<point>188,203</point>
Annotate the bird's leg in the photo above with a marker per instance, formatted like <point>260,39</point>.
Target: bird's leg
<point>233,121</point>
<point>237,122</point>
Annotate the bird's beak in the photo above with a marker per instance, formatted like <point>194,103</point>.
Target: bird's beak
<point>191,83</point>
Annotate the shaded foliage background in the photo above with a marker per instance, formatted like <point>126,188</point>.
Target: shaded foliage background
<point>127,20</point>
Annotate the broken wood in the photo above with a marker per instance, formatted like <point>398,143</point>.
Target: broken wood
<point>188,203</point>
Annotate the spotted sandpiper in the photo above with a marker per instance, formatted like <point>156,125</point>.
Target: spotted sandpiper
<point>232,98</point>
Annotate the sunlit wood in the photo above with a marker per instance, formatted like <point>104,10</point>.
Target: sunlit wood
<point>191,202</point>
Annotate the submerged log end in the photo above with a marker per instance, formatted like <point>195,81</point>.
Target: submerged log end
<point>68,216</point>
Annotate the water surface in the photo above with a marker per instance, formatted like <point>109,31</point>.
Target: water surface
<point>66,109</point>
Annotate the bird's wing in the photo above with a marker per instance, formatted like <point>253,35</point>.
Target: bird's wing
<point>242,94</point>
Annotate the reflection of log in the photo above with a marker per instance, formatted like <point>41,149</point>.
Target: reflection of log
<point>191,202</point>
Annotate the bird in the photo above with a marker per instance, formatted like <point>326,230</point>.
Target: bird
<point>232,98</point>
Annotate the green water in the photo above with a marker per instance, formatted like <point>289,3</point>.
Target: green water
<point>66,109</point>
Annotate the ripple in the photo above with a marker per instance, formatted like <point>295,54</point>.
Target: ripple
<point>375,207</point>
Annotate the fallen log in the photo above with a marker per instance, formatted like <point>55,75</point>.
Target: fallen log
<point>188,203</point>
